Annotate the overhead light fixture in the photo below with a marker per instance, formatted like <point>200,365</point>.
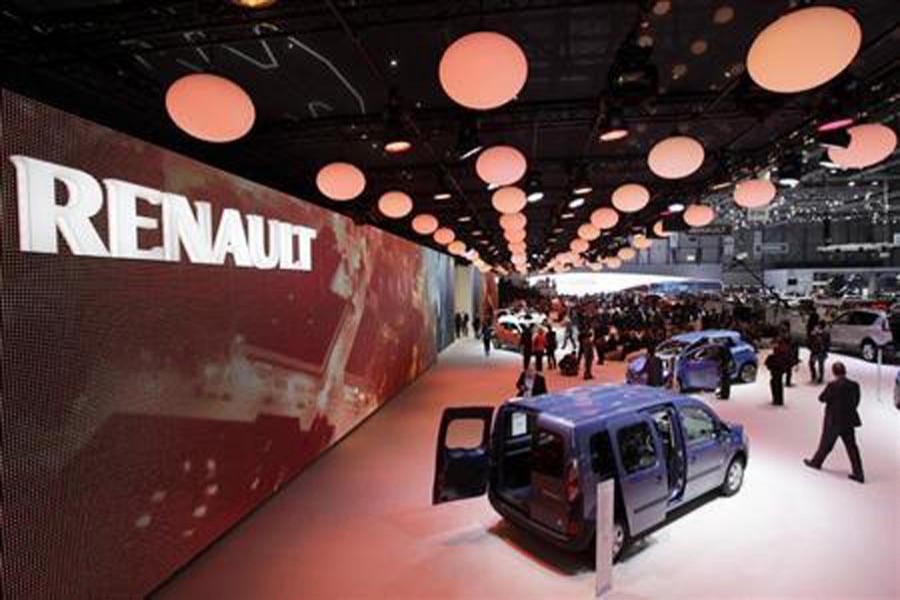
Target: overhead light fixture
<point>632,76</point>
<point>210,108</point>
<point>676,157</point>
<point>576,203</point>
<point>468,143</point>
<point>501,165</point>
<point>676,207</point>
<point>340,181</point>
<point>581,183</point>
<point>483,70</point>
<point>613,126</point>
<point>396,137</point>
<point>254,3</point>
<point>869,144</point>
<point>630,197</point>
<point>834,138</point>
<point>534,187</point>
<point>721,185</point>
<point>442,196</point>
<point>395,205</point>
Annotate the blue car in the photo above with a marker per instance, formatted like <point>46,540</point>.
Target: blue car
<point>541,458</point>
<point>690,360</point>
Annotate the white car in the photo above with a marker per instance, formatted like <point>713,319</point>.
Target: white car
<point>862,330</point>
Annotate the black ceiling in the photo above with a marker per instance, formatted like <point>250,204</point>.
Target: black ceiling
<point>320,73</point>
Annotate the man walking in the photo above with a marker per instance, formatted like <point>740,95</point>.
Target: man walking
<point>841,398</point>
<point>726,363</point>
<point>586,346</point>
<point>551,348</point>
<point>819,341</point>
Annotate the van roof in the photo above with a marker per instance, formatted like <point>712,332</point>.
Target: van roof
<point>693,336</point>
<point>591,402</point>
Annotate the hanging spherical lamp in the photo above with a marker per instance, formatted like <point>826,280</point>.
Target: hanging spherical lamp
<point>395,205</point>
<point>425,224</point>
<point>210,108</point>
<point>483,70</point>
<point>630,197</point>
<point>456,247</point>
<point>626,253</point>
<point>519,259</point>
<point>588,232</point>
<point>509,200</point>
<point>613,263</point>
<point>340,181</point>
<point>501,165</point>
<point>578,245</point>
<point>604,218</point>
<point>513,221</point>
<point>803,49</point>
<point>754,193</point>
<point>699,215</point>
<point>595,266</point>
<point>516,246</point>
<point>514,236</point>
<point>676,157</point>
<point>444,236</point>
<point>659,229</point>
<point>870,144</point>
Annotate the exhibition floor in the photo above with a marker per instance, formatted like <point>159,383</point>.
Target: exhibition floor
<point>358,523</point>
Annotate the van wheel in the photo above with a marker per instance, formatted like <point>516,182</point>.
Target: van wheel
<point>748,373</point>
<point>869,351</point>
<point>620,539</point>
<point>734,477</point>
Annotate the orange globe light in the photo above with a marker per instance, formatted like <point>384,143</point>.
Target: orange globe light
<point>513,221</point>
<point>754,193</point>
<point>516,246</point>
<point>630,197</point>
<point>870,144</point>
<point>340,181</point>
<point>659,229</point>
<point>604,218</point>
<point>699,215</point>
<point>425,224</point>
<point>395,205</point>
<point>676,157</point>
<point>519,259</point>
<point>501,165</point>
<point>444,236</point>
<point>804,49</point>
<point>456,247</point>
<point>641,242</point>
<point>578,245</point>
<point>613,263</point>
<point>210,108</point>
<point>514,236</point>
<point>588,232</point>
<point>627,253</point>
<point>483,70</point>
<point>509,200</point>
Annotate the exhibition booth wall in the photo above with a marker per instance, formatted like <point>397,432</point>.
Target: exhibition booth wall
<point>178,343</point>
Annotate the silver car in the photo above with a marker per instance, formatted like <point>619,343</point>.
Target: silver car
<point>864,331</point>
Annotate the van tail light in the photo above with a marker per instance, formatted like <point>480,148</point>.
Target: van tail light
<point>573,488</point>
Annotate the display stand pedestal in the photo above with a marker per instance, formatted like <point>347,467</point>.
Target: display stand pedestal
<point>606,494</point>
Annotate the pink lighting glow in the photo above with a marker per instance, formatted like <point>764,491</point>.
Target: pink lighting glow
<point>483,70</point>
<point>509,200</point>
<point>501,165</point>
<point>340,181</point>
<point>630,197</point>
<point>676,157</point>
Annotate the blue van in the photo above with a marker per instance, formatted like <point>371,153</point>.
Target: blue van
<point>542,460</point>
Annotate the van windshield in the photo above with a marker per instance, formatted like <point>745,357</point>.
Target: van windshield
<point>549,454</point>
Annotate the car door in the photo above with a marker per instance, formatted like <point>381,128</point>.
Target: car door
<point>642,473</point>
<point>700,368</point>
<point>841,330</point>
<point>462,469</point>
<point>703,448</point>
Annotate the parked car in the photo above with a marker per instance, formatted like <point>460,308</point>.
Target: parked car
<point>864,331</point>
<point>541,461</point>
<point>690,360</point>
<point>507,333</point>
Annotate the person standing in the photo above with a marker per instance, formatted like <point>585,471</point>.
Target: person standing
<point>458,324</point>
<point>777,363</point>
<point>726,363</point>
<point>794,354</point>
<point>538,346</point>
<point>476,325</point>
<point>551,348</point>
<point>819,343</point>
<point>653,369</point>
<point>586,347</point>
<point>486,334</point>
<point>841,399</point>
<point>569,334</point>
<point>465,324</point>
<point>525,343</point>
<point>530,383</point>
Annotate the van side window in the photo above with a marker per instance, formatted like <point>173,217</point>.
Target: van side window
<point>549,454</point>
<point>602,461</point>
<point>636,447</point>
<point>698,426</point>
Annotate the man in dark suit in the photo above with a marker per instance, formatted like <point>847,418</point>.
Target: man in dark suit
<point>525,343</point>
<point>841,398</point>
<point>531,383</point>
<point>653,369</point>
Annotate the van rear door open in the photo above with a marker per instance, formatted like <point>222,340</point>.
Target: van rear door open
<point>463,454</point>
<point>549,504</point>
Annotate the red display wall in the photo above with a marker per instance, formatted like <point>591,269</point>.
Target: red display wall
<point>149,404</point>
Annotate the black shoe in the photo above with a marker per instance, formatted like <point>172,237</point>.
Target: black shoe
<point>811,464</point>
<point>857,478</point>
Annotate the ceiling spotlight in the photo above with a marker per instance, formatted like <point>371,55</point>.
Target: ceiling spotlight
<point>468,144</point>
<point>442,196</point>
<point>535,197</point>
<point>534,187</point>
<point>613,126</point>
<point>676,207</point>
<point>581,183</point>
<point>576,203</point>
<point>632,76</point>
<point>254,3</point>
